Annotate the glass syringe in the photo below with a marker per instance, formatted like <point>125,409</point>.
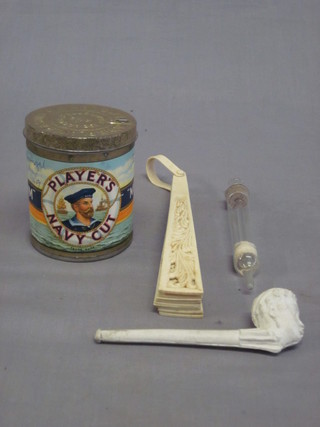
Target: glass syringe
<point>245,256</point>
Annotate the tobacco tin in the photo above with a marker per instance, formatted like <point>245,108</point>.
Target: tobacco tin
<point>80,175</point>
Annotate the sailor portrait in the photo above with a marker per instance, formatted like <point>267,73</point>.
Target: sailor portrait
<point>81,203</point>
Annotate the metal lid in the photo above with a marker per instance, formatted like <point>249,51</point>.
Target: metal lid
<point>74,128</point>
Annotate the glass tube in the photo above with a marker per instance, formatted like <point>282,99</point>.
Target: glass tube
<point>245,257</point>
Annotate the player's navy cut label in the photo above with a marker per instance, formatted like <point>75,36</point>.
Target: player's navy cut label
<point>81,205</point>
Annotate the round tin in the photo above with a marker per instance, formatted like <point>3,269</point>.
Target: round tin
<point>80,176</point>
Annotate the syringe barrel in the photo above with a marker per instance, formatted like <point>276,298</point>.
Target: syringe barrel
<point>237,196</point>
<point>245,257</point>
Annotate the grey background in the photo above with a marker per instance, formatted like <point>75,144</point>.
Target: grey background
<point>225,88</point>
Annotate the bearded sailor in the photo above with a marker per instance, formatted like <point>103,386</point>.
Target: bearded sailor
<point>81,203</point>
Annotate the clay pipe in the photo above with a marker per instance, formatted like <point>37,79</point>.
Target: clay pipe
<point>275,314</point>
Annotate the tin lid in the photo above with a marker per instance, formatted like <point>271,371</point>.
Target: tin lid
<point>74,128</point>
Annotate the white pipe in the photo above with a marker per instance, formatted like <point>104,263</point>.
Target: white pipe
<point>275,314</point>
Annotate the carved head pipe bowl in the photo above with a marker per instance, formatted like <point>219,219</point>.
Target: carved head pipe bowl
<point>275,314</point>
<point>276,310</point>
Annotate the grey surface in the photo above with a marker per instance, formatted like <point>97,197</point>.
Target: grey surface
<point>224,88</point>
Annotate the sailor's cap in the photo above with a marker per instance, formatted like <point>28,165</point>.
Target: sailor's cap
<point>81,194</point>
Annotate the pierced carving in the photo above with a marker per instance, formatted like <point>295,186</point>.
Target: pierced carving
<point>179,289</point>
<point>182,261</point>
